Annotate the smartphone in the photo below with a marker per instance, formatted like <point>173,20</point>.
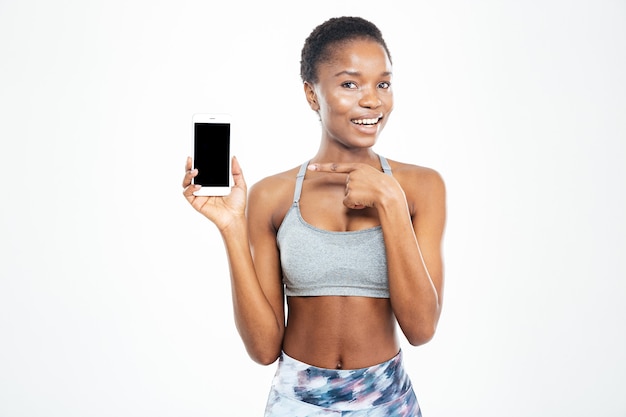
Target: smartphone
<point>211,153</point>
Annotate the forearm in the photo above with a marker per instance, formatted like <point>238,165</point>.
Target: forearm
<point>257,323</point>
<point>414,297</point>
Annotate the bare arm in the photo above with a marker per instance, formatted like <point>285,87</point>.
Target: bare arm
<point>414,258</point>
<point>259,322</point>
<point>412,235</point>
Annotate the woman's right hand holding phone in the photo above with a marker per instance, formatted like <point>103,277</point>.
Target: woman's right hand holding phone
<point>222,211</point>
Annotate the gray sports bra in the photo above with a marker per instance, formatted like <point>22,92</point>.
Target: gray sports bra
<point>317,262</point>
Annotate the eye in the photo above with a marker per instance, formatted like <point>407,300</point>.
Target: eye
<point>349,84</point>
<point>384,85</point>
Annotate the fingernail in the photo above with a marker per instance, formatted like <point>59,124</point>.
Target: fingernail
<point>312,167</point>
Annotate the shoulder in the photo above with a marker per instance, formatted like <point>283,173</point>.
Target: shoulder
<point>415,175</point>
<point>270,198</point>
<point>422,185</point>
<point>274,185</point>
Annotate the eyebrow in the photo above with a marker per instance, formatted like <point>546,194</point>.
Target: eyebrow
<point>356,73</point>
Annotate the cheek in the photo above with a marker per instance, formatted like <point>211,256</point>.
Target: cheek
<point>340,103</point>
<point>389,104</point>
<point>388,99</point>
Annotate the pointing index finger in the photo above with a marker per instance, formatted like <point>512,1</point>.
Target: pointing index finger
<point>332,167</point>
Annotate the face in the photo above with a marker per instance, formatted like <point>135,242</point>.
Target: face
<point>353,95</point>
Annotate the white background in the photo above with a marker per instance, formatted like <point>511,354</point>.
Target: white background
<point>114,293</point>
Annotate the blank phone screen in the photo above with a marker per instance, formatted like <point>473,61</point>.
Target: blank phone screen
<point>212,154</point>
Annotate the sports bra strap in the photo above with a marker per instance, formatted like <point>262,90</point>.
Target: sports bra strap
<point>300,177</point>
<point>385,165</point>
<point>299,180</point>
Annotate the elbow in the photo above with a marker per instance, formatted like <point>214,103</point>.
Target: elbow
<point>264,356</point>
<point>263,347</point>
<point>265,360</point>
<point>420,335</point>
<point>420,328</point>
<point>420,339</point>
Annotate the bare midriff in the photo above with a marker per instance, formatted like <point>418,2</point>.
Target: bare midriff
<point>340,332</point>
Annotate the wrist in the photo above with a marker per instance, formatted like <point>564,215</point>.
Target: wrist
<point>392,200</point>
<point>235,227</point>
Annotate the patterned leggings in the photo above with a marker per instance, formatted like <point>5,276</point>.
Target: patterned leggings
<point>302,390</point>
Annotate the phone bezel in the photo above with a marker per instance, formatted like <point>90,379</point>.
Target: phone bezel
<point>212,118</point>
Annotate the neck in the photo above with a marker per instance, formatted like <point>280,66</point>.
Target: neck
<point>335,154</point>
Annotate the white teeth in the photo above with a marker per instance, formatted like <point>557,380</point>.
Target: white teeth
<point>366,121</point>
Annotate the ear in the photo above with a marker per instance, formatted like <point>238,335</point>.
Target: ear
<point>311,96</point>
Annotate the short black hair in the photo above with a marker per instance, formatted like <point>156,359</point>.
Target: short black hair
<point>317,47</point>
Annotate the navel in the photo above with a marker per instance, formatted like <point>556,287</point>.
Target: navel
<point>339,363</point>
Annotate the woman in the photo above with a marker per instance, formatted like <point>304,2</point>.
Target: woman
<point>353,240</point>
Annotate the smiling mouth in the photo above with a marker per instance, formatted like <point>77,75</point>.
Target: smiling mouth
<point>367,122</point>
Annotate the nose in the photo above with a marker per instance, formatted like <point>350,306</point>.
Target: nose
<point>370,99</point>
